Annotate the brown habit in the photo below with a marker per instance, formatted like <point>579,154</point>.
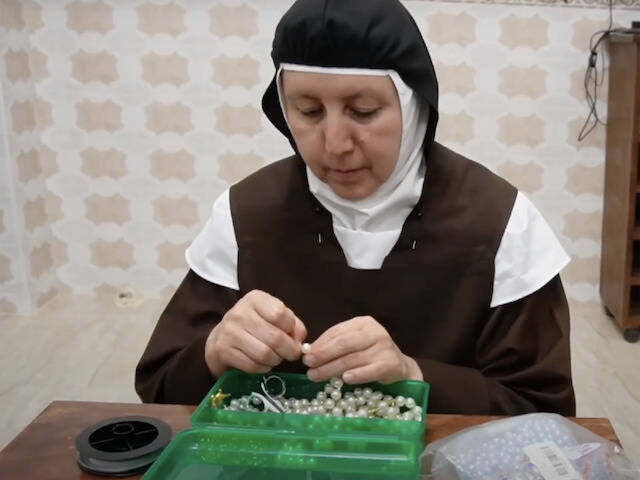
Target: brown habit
<point>432,293</point>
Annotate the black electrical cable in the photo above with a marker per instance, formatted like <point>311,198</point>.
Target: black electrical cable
<point>592,77</point>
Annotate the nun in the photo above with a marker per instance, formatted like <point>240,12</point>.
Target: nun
<point>389,256</point>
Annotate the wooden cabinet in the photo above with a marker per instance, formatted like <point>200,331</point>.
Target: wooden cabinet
<point>620,259</point>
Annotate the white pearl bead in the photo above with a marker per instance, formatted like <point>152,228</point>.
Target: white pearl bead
<point>417,409</point>
<point>305,348</point>
<point>329,404</point>
<point>358,392</point>
<point>348,395</point>
<point>321,396</point>
<point>392,411</point>
<point>377,395</point>
<point>350,415</point>
<point>400,401</point>
<point>342,403</point>
<point>367,392</point>
<point>336,412</point>
<point>304,402</point>
<point>336,382</point>
<point>388,398</point>
<point>360,401</point>
<point>328,388</point>
<point>315,402</point>
<point>336,394</point>
<point>362,412</point>
<point>410,402</point>
<point>371,402</point>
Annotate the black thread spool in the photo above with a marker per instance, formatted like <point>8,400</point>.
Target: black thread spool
<point>122,446</point>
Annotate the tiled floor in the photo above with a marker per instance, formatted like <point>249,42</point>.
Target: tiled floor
<point>84,348</point>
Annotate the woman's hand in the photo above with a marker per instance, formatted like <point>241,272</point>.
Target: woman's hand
<point>256,334</point>
<point>359,350</point>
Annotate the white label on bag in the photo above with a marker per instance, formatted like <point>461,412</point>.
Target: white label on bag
<point>551,462</point>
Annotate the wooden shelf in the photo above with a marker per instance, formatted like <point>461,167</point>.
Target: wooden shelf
<point>634,314</point>
<point>619,289</point>
<point>635,277</point>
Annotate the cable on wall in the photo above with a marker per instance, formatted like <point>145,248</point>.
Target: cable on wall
<point>594,77</point>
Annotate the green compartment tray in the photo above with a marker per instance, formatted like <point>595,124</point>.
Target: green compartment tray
<point>232,453</point>
<point>225,444</point>
<point>238,383</point>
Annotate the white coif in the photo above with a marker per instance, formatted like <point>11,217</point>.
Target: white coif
<point>367,229</point>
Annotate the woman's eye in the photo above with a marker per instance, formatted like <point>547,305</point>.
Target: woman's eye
<point>363,114</point>
<point>312,113</point>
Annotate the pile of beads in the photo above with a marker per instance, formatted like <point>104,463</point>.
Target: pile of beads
<point>332,402</point>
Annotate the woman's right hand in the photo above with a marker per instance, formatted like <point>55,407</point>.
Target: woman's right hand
<point>254,336</point>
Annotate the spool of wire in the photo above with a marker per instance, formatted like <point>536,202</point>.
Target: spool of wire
<point>122,446</point>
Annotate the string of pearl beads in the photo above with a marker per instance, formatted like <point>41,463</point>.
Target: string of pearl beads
<point>332,402</point>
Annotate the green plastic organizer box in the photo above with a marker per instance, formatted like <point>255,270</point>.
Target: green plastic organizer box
<point>225,444</point>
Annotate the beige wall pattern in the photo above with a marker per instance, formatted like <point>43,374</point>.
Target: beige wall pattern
<point>558,3</point>
<point>123,121</point>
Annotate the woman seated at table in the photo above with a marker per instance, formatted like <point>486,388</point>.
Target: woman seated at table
<point>394,257</point>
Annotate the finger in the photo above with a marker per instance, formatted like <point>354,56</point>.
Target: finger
<point>274,311</point>
<point>299,331</point>
<point>257,350</point>
<point>338,329</point>
<point>336,367</point>
<point>373,372</point>
<point>239,360</point>
<point>277,340</point>
<point>347,342</point>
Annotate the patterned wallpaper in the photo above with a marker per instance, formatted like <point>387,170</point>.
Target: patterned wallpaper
<point>556,3</point>
<point>121,121</point>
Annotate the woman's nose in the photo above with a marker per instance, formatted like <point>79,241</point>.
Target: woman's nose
<point>337,135</point>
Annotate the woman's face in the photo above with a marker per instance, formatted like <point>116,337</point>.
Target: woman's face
<point>347,128</point>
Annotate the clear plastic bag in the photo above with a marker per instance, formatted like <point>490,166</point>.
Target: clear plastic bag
<point>536,446</point>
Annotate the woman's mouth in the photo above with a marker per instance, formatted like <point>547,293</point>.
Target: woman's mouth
<point>346,175</point>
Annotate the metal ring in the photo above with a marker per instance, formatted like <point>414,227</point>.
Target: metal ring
<point>264,382</point>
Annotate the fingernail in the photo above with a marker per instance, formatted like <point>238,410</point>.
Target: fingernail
<point>347,377</point>
<point>308,360</point>
<point>312,375</point>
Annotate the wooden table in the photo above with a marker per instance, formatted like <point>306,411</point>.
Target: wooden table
<point>46,448</point>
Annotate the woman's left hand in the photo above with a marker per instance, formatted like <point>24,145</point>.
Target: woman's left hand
<point>359,350</point>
